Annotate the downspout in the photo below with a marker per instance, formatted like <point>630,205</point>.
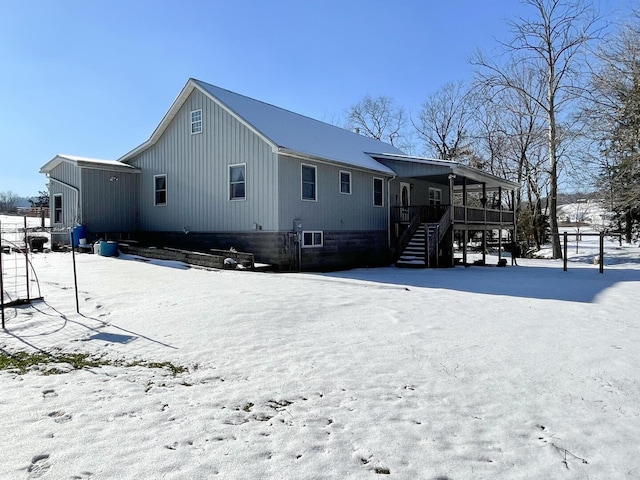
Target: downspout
<point>64,184</point>
<point>389,209</point>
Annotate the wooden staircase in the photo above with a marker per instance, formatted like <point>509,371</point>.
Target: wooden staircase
<point>414,254</point>
<point>418,246</point>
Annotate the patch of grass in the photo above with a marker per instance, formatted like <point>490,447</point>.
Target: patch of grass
<point>22,362</point>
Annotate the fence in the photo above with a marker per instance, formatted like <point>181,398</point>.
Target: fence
<point>18,281</point>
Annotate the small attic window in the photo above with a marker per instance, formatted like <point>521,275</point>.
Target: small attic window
<point>196,121</point>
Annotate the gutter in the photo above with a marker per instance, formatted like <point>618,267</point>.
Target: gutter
<point>76,190</point>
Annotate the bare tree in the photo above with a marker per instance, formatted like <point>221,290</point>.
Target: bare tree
<point>612,113</point>
<point>510,134</point>
<point>443,122</point>
<point>553,42</point>
<point>381,119</point>
<point>8,202</point>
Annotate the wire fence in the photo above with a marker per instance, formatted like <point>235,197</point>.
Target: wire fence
<point>18,280</point>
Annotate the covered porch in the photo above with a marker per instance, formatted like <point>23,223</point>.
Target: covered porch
<point>440,210</point>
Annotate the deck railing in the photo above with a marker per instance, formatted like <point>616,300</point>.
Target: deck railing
<point>487,216</point>
<point>461,214</point>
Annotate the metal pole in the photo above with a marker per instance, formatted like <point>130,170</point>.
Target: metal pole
<point>565,252</point>
<point>75,277</point>
<point>601,262</point>
<point>26,257</point>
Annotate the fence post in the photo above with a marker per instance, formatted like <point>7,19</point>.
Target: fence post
<point>601,262</point>
<point>26,258</point>
<point>564,256</point>
<point>75,277</point>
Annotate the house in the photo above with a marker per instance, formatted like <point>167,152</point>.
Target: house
<point>223,170</point>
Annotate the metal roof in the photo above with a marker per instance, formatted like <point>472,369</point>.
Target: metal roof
<point>84,162</point>
<point>286,131</point>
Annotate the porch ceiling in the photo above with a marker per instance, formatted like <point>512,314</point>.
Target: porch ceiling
<point>438,171</point>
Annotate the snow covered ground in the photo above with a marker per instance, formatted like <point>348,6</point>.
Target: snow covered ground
<point>523,372</point>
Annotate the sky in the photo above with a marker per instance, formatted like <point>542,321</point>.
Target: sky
<point>94,78</point>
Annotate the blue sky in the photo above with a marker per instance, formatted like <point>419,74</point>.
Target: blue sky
<point>94,78</point>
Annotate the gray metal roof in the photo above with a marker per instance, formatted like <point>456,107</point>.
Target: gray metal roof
<point>287,131</point>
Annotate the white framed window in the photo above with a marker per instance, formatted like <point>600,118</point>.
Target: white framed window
<point>345,182</point>
<point>57,208</point>
<point>378,192</point>
<point>435,196</point>
<point>196,121</point>
<point>160,190</point>
<point>312,239</point>
<point>238,181</point>
<point>308,182</point>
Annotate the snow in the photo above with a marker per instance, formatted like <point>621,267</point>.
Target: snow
<point>482,372</point>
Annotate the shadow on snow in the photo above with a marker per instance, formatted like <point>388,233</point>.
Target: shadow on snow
<point>578,284</point>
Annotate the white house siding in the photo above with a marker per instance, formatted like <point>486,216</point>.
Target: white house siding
<point>109,200</point>
<point>197,174</point>
<point>332,210</point>
<point>62,178</point>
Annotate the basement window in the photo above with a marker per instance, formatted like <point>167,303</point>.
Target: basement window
<point>311,239</point>
<point>196,121</point>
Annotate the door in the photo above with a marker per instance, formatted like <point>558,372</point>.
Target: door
<point>405,201</point>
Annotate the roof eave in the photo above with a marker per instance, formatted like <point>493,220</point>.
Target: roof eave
<point>287,151</point>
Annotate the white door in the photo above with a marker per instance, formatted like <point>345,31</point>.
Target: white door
<point>405,201</point>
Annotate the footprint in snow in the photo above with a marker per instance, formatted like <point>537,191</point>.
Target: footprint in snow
<point>59,416</point>
<point>39,466</point>
<point>50,393</point>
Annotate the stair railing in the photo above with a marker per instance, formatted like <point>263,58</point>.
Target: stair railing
<point>405,238</point>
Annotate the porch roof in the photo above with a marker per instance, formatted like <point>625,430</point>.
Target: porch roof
<point>439,171</point>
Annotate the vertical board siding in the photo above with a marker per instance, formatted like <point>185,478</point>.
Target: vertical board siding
<point>109,200</point>
<point>197,174</point>
<point>69,174</point>
<point>332,210</point>
<point>419,191</point>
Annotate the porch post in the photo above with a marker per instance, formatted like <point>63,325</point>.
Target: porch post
<point>484,201</point>
<point>451,216</point>
<point>465,239</point>
<point>500,229</point>
<point>514,236</point>
<point>465,235</point>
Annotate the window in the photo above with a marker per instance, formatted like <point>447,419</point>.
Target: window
<point>308,182</point>
<point>435,196</point>
<point>160,185</point>
<point>57,208</point>
<point>312,239</point>
<point>196,121</point>
<point>345,182</point>
<point>378,189</point>
<point>237,182</point>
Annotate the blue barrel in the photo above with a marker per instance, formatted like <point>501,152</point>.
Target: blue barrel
<point>79,232</point>
<point>108,249</point>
